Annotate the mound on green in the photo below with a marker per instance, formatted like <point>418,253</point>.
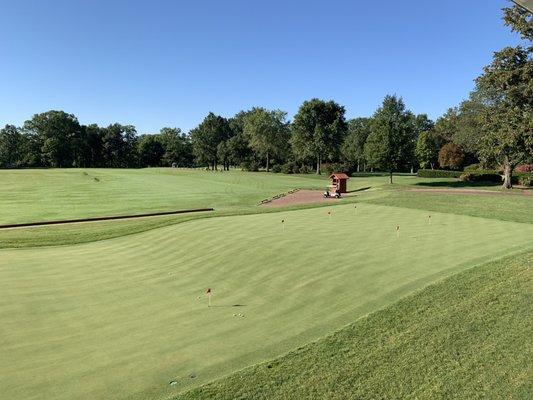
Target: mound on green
<point>467,337</point>
<point>122,318</point>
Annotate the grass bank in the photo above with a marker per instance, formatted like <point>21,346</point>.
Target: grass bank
<point>467,337</point>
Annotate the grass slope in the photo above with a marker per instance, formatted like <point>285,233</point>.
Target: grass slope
<point>508,207</point>
<point>120,318</point>
<point>31,195</point>
<point>50,194</point>
<point>467,337</point>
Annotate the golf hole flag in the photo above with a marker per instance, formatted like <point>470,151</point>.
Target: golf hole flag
<point>208,292</point>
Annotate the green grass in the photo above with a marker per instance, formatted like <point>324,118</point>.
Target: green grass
<point>467,337</point>
<point>517,208</point>
<point>36,195</point>
<point>120,318</point>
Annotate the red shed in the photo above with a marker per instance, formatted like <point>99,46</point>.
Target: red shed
<point>338,180</point>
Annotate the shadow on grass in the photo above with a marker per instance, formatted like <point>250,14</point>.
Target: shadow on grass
<point>359,190</point>
<point>457,184</point>
<point>228,305</point>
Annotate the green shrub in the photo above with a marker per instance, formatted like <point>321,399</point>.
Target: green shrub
<point>276,169</point>
<point>438,173</point>
<point>251,166</point>
<point>467,177</point>
<point>526,181</point>
<point>473,167</point>
<point>486,176</point>
<point>288,168</point>
<point>304,169</point>
<point>337,167</point>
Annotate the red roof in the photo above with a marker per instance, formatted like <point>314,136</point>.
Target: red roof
<point>339,175</point>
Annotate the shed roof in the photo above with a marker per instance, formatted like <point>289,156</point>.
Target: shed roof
<point>339,175</point>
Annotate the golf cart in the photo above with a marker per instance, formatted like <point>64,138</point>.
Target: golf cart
<point>332,191</point>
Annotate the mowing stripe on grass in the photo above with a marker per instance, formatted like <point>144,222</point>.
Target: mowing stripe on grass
<point>121,318</point>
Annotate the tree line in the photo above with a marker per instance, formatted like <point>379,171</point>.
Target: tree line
<point>492,128</point>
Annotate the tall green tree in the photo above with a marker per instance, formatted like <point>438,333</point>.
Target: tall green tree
<point>318,130</point>
<point>57,132</point>
<point>119,146</point>
<point>268,132</point>
<point>353,148</point>
<point>427,149</point>
<point>150,151</point>
<point>94,145</point>
<point>389,144</point>
<point>206,138</point>
<point>177,147</point>
<point>421,123</point>
<point>506,88</point>
<point>11,147</point>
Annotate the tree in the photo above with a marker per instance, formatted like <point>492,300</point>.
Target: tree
<point>11,149</point>
<point>177,147</point>
<point>119,146</point>
<point>150,150</point>
<point>57,132</point>
<point>390,142</point>
<point>206,138</point>
<point>427,150</point>
<point>267,131</point>
<point>469,127</point>
<point>421,123</point>
<point>318,130</point>
<point>94,145</point>
<point>506,89</point>
<point>451,156</point>
<point>353,148</point>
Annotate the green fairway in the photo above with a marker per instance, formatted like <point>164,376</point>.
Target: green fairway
<point>467,337</point>
<point>121,318</point>
<point>36,195</point>
<point>54,194</point>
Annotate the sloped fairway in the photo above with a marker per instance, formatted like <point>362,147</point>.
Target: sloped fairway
<point>121,318</point>
<point>56,194</point>
<point>467,337</point>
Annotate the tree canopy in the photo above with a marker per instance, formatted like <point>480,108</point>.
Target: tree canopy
<point>318,130</point>
<point>389,145</point>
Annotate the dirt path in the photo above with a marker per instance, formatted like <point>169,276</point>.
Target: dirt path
<point>300,197</point>
<point>475,192</point>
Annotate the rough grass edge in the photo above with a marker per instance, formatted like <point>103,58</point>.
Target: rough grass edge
<point>351,325</point>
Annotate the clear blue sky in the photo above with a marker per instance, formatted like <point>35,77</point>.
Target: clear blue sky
<point>167,63</point>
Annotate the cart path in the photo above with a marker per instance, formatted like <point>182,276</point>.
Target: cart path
<point>300,197</point>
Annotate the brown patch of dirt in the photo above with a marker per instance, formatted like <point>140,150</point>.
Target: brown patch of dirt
<point>475,192</point>
<point>300,197</point>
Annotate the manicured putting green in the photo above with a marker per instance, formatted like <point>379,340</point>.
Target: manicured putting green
<point>122,319</point>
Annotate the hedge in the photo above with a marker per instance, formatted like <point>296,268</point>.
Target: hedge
<point>438,173</point>
<point>492,176</point>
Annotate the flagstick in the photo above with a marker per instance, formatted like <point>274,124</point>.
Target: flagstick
<point>398,231</point>
<point>429,219</point>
